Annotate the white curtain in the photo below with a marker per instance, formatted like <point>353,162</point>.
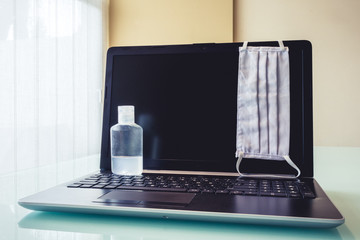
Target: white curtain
<point>51,76</point>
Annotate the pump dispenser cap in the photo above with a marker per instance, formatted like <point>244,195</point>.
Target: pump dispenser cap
<point>126,114</point>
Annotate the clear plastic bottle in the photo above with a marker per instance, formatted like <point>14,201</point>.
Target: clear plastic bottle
<point>126,144</point>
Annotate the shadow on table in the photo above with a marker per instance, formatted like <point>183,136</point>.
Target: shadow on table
<point>146,228</point>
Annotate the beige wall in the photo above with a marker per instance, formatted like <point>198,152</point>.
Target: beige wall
<point>144,22</point>
<point>333,28</point>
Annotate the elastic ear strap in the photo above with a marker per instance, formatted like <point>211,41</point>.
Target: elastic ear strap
<point>240,156</point>
<point>281,44</point>
<point>244,46</point>
<point>292,164</point>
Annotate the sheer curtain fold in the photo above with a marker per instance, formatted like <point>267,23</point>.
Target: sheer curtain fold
<point>51,74</point>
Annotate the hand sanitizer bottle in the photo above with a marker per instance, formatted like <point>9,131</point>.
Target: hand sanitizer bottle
<point>126,144</point>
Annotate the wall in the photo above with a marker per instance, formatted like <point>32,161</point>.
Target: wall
<point>332,27</point>
<point>144,22</point>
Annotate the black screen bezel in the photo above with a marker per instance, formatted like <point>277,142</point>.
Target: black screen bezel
<point>301,146</point>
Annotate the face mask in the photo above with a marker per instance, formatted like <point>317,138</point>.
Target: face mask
<point>263,114</point>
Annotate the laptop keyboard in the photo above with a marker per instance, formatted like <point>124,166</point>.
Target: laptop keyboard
<point>199,184</point>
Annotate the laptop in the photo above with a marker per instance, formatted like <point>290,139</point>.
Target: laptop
<point>185,99</point>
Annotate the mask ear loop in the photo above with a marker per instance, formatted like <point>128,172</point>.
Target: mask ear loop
<point>281,45</point>
<point>240,156</point>
<point>244,46</point>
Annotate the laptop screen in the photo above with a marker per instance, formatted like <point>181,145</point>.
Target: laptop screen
<point>185,99</point>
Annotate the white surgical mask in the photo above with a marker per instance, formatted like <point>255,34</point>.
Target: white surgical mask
<point>263,114</point>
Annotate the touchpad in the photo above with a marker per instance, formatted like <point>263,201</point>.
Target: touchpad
<point>142,197</point>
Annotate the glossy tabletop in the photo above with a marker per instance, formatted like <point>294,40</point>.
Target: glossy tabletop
<point>336,169</point>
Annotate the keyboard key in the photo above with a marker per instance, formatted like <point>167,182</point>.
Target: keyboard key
<point>294,195</point>
<point>294,192</point>
<point>74,185</point>
<point>308,195</point>
<point>88,182</point>
<point>193,190</point>
<point>266,193</point>
<point>139,185</point>
<point>279,191</point>
<point>104,180</point>
<point>222,192</point>
<point>236,192</point>
<point>86,186</point>
<point>252,193</point>
<point>207,191</point>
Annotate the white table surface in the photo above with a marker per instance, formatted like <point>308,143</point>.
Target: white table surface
<point>337,169</point>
